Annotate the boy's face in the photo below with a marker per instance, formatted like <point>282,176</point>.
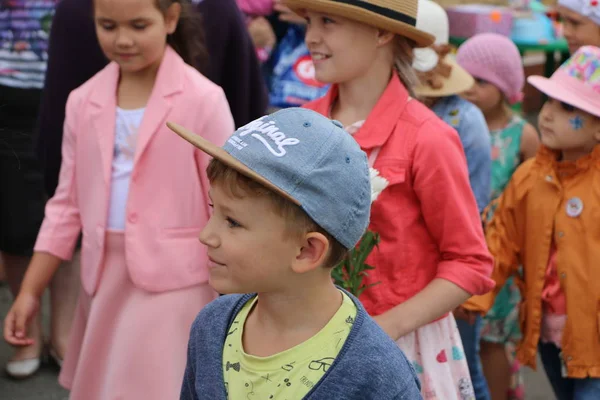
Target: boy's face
<point>578,29</point>
<point>247,245</point>
<point>566,128</point>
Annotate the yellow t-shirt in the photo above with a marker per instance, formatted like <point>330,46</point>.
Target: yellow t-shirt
<point>288,375</point>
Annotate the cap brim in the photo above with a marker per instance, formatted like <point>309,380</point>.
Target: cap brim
<point>422,38</point>
<point>569,95</point>
<point>458,82</point>
<point>226,158</point>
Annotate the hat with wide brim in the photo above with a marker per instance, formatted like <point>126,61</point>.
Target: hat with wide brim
<point>396,16</point>
<point>227,159</point>
<point>567,89</point>
<point>458,82</point>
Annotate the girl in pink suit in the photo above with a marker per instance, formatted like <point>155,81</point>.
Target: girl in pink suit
<point>133,188</point>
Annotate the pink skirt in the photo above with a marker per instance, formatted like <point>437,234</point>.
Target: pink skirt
<point>127,343</point>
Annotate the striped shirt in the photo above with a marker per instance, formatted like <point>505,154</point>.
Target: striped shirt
<point>24,31</point>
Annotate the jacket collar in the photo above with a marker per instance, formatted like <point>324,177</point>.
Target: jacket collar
<point>167,83</point>
<point>549,159</point>
<point>382,120</point>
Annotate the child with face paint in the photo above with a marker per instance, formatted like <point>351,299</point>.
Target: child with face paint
<point>547,220</point>
<point>581,22</point>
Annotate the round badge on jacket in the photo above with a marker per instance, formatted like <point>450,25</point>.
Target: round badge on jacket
<point>574,207</point>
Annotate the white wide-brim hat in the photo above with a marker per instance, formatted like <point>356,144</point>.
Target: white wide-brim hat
<point>432,18</point>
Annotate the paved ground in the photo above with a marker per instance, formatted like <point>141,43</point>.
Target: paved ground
<point>44,387</point>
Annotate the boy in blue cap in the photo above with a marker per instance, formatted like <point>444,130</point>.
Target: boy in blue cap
<point>291,194</point>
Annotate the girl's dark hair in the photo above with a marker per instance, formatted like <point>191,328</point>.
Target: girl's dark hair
<point>188,38</point>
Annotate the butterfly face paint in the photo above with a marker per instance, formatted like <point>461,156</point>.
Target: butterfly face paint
<point>576,122</point>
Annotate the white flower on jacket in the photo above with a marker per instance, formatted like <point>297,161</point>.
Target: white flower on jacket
<point>378,183</point>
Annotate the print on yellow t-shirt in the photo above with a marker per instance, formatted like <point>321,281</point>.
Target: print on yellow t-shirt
<point>288,375</point>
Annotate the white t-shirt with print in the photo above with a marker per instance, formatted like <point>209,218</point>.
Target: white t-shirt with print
<point>126,133</point>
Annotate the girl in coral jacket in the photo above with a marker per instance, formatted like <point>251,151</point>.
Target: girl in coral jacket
<point>432,254</point>
<point>547,220</point>
<point>133,188</point>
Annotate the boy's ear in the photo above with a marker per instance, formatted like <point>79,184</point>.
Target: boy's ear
<point>313,253</point>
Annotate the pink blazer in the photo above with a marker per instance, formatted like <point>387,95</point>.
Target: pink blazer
<point>167,204</point>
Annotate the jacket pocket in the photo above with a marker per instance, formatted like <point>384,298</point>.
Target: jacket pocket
<point>395,174</point>
<point>396,177</point>
<point>182,233</point>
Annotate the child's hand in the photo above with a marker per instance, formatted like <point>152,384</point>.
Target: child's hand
<point>465,315</point>
<point>22,311</point>
<point>262,33</point>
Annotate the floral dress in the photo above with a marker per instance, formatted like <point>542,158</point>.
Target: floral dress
<point>501,324</point>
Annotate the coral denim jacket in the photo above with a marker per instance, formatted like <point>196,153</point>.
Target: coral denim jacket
<point>427,217</point>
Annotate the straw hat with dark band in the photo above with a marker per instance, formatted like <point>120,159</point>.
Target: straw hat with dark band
<point>397,16</point>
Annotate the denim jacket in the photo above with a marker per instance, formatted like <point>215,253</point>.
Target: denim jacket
<point>474,135</point>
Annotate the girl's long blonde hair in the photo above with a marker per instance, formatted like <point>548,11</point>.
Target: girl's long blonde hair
<point>403,59</point>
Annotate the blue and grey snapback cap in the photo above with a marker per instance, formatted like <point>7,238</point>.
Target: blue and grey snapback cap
<point>306,158</point>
